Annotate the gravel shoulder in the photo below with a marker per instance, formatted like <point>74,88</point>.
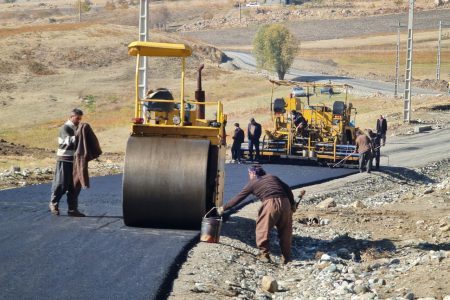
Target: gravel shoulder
<point>387,237</point>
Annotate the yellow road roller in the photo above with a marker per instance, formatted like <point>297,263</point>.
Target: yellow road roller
<point>175,156</point>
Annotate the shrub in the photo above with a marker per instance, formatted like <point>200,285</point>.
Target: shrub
<point>39,68</point>
<point>109,5</point>
<point>89,101</point>
<point>86,5</point>
<point>123,4</point>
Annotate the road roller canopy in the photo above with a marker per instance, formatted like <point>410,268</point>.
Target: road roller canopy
<point>159,49</point>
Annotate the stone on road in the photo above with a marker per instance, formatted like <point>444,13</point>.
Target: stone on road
<point>98,257</point>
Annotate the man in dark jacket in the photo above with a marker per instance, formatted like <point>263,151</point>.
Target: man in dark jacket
<point>238,139</point>
<point>63,180</point>
<point>382,128</point>
<point>253,134</point>
<point>364,148</point>
<point>276,210</point>
<point>376,145</point>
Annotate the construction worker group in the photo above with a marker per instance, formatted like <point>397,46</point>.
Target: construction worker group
<point>277,200</point>
<point>368,146</point>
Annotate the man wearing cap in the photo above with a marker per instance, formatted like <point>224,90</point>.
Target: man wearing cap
<point>276,210</point>
<point>238,139</point>
<point>253,134</point>
<point>63,183</point>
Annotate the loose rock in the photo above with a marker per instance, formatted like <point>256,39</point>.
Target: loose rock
<point>327,203</point>
<point>269,284</point>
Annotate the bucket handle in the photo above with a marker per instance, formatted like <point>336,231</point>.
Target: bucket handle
<point>210,212</point>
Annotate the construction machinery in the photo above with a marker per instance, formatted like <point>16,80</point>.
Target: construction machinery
<point>175,157</point>
<point>305,130</point>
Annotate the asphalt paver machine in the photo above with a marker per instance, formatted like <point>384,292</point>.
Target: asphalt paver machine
<point>329,135</point>
<point>175,157</point>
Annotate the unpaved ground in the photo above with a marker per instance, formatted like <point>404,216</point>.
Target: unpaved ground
<point>324,28</point>
<point>21,165</point>
<point>395,244</point>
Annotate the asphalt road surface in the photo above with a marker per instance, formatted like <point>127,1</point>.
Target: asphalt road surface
<point>49,257</point>
<point>247,61</point>
<point>418,149</point>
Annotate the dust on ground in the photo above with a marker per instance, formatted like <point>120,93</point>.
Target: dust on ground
<point>386,238</point>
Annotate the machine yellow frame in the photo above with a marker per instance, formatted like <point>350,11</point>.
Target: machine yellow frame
<point>171,128</point>
<point>315,114</point>
<point>182,51</point>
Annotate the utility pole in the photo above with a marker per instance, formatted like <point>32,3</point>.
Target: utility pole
<point>438,64</point>
<point>143,37</point>
<point>409,63</point>
<point>79,11</point>
<point>397,60</point>
<point>240,13</point>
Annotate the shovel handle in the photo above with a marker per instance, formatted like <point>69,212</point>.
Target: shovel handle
<point>210,211</point>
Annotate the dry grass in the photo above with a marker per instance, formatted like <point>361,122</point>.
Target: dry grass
<point>374,56</point>
<point>4,32</point>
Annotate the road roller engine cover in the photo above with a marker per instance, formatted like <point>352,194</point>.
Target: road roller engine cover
<point>175,157</point>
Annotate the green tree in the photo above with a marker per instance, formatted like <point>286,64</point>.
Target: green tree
<point>85,5</point>
<point>275,48</point>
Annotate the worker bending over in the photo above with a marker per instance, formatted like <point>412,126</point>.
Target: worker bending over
<point>276,210</point>
<point>364,149</point>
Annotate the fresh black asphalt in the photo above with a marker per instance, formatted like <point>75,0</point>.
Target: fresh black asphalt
<point>48,257</point>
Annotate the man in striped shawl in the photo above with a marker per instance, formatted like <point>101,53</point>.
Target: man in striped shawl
<point>63,179</point>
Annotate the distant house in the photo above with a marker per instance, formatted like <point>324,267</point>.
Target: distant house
<point>274,2</point>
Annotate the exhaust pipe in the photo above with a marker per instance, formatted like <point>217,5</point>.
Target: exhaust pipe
<point>200,94</point>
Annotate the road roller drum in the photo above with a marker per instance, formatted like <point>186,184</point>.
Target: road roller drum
<point>165,182</point>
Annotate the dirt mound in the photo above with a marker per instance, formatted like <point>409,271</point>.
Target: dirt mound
<point>432,84</point>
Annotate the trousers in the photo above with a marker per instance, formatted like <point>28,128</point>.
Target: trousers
<point>63,184</point>
<point>365,161</point>
<point>376,156</point>
<point>277,213</point>
<point>236,151</point>
<point>253,144</point>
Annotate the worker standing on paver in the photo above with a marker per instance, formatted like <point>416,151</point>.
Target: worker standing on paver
<point>238,139</point>
<point>363,148</point>
<point>63,180</point>
<point>382,128</point>
<point>276,210</point>
<point>376,145</point>
<point>253,134</point>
